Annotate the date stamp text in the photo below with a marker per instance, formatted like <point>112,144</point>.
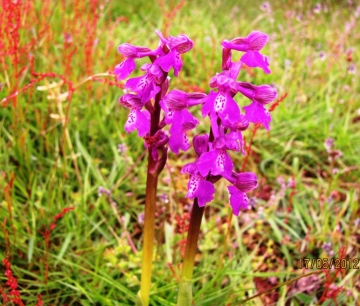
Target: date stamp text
<point>328,263</point>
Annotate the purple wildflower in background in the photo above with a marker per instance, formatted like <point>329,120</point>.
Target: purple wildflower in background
<point>329,143</point>
<point>327,247</point>
<point>103,191</point>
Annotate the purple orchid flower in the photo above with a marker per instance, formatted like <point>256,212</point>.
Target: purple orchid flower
<point>175,105</point>
<point>217,161</point>
<point>137,118</point>
<point>260,95</point>
<point>198,186</point>
<point>251,45</point>
<point>177,45</point>
<point>242,182</point>
<point>147,85</point>
<point>221,102</point>
<point>125,68</point>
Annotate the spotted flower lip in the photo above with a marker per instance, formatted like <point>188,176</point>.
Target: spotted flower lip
<point>238,200</point>
<point>201,189</point>
<point>223,105</point>
<point>124,69</point>
<point>262,94</point>
<point>139,120</point>
<point>257,113</point>
<point>215,162</point>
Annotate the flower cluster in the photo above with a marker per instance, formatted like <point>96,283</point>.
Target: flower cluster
<point>226,117</point>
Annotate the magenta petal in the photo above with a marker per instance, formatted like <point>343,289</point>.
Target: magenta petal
<point>257,113</point>
<point>231,111</point>
<point>201,189</point>
<point>181,122</point>
<point>145,86</point>
<point>189,168</point>
<point>206,162</point>
<point>124,69</point>
<point>178,140</point>
<point>177,64</point>
<point>149,92</point>
<point>238,200</point>
<point>228,164</point>
<point>209,104</point>
<point>205,192</point>
<point>168,114</point>
<point>255,59</point>
<point>139,120</point>
<point>167,61</point>
<point>136,83</point>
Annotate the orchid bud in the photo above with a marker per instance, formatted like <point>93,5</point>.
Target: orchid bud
<point>195,98</point>
<point>262,94</point>
<point>176,100</point>
<point>131,101</point>
<point>200,143</point>
<point>131,51</point>
<point>245,181</point>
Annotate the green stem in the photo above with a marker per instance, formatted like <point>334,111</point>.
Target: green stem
<point>149,233</point>
<point>185,288</point>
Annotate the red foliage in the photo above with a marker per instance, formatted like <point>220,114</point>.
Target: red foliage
<point>12,284</point>
<point>183,226</point>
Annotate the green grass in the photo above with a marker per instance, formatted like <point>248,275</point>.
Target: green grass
<point>90,261</point>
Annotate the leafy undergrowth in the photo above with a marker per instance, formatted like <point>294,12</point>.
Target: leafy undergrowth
<point>62,138</point>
